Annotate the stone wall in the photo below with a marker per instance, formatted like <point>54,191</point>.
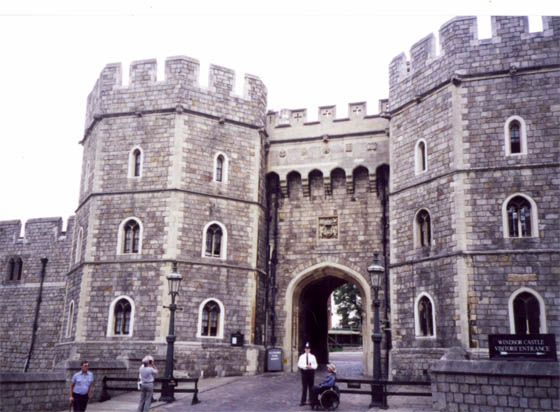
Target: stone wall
<point>19,299</point>
<point>477,385</point>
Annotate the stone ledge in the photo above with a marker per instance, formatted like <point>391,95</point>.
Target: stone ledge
<point>497,368</point>
<point>95,364</point>
<point>32,377</point>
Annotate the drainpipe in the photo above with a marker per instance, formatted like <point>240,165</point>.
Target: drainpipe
<point>44,261</point>
<point>273,262</point>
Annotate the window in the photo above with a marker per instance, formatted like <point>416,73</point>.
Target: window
<point>423,232</point>
<point>121,317</point>
<point>526,312</point>
<point>135,162</point>
<point>520,217</point>
<point>79,245</point>
<point>515,132</point>
<point>424,316</point>
<point>211,319</point>
<point>214,240</point>
<point>70,320</point>
<point>220,168</point>
<point>131,237</point>
<point>15,268</point>
<point>421,157</point>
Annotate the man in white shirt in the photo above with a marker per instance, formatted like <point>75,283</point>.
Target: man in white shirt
<point>147,372</point>
<point>307,364</point>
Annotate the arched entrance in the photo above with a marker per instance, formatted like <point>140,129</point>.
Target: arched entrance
<point>306,309</point>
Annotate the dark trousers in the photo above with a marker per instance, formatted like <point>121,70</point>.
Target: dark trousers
<point>307,378</point>
<point>315,391</point>
<point>80,402</point>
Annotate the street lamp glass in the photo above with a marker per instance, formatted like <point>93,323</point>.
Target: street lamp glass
<point>174,280</point>
<point>375,271</point>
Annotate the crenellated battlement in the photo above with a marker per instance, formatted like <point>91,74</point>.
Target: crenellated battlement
<point>462,53</point>
<point>287,123</point>
<point>179,88</point>
<point>36,230</point>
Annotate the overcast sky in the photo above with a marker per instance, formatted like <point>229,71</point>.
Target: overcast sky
<point>308,53</point>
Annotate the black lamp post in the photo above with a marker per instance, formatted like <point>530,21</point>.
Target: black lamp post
<point>376,272</point>
<point>168,387</point>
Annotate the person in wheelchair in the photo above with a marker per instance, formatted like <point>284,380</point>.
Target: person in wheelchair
<point>328,383</point>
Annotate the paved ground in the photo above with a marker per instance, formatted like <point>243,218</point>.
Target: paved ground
<point>268,392</point>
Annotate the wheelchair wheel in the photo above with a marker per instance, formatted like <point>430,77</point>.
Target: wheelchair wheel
<point>329,400</point>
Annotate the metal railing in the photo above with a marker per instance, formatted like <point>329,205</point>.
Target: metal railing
<point>129,388</point>
<point>353,385</point>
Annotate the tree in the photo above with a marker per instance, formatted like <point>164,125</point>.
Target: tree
<point>349,306</point>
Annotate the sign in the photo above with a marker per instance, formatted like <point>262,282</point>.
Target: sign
<point>274,360</point>
<point>523,347</point>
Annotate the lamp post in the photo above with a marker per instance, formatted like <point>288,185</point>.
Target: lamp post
<point>376,274</point>
<point>168,387</point>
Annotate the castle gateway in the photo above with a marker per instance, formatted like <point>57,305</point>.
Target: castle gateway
<point>454,182</point>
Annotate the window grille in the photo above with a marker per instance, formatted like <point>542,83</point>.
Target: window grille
<point>213,241</point>
<point>131,237</point>
<point>424,230</point>
<point>121,317</point>
<point>526,312</point>
<point>519,217</point>
<point>210,319</point>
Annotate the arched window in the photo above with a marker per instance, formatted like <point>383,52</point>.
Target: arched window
<point>214,240</point>
<point>121,317</point>
<point>211,319</point>
<point>220,168</point>
<point>424,316</point>
<point>515,137</point>
<point>519,217</point>
<point>70,320</point>
<point>19,267</point>
<point>79,245</point>
<point>421,157</point>
<point>135,162</point>
<point>515,132</point>
<point>527,312</point>
<point>423,230</point>
<point>131,239</point>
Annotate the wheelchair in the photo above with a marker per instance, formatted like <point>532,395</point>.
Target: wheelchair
<point>328,399</point>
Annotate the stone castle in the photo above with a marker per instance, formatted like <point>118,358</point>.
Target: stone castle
<point>455,183</point>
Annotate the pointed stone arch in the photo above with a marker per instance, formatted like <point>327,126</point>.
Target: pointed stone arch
<point>291,307</point>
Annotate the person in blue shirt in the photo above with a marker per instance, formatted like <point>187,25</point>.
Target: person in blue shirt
<point>80,388</point>
<point>328,382</point>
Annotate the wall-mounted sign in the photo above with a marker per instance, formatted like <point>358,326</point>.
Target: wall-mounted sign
<point>520,347</point>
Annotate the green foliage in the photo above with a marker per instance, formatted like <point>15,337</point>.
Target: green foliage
<point>349,306</point>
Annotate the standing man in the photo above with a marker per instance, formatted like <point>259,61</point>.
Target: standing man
<point>307,364</point>
<point>80,387</point>
<point>147,372</point>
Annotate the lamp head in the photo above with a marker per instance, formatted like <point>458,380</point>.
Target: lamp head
<point>375,270</point>
<point>174,280</point>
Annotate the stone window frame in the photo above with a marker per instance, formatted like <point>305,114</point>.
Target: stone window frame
<point>132,163</point>
<point>70,319</point>
<point>534,217</point>
<point>220,334</point>
<point>223,245</point>
<point>15,268</point>
<point>542,307</point>
<point>417,331</point>
<point>522,137</point>
<point>416,231</point>
<point>418,153</point>
<point>225,168</point>
<point>79,241</point>
<point>120,236</point>
<point>111,319</point>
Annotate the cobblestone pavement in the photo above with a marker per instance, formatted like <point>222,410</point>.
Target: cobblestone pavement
<point>267,392</point>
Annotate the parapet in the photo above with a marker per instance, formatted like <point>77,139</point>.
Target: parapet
<point>463,53</point>
<point>36,230</point>
<point>288,123</point>
<point>179,88</point>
